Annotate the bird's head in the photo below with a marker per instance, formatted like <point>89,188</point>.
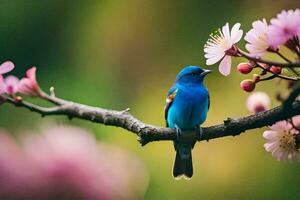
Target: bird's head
<point>192,74</point>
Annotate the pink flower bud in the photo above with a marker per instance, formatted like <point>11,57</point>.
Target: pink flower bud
<point>258,102</point>
<point>247,85</point>
<point>29,85</point>
<point>244,68</point>
<point>275,70</point>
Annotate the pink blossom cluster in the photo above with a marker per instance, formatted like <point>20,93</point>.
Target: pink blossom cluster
<point>67,163</point>
<point>283,138</point>
<point>12,85</point>
<point>283,30</point>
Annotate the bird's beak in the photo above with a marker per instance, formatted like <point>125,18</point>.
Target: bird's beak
<point>206,72</point>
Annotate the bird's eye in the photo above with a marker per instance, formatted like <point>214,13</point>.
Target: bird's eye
<point>194,74</point>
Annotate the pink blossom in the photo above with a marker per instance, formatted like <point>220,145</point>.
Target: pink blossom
<point>7,66</point>
<point>18,177</point>
<point>258,38</point>
<point>67,163</point>
<point>258,102</point>
<point>218,46</point>
<point>284,27</point>
<point>11,85</point>
<point>29,85</point>
<point>283,141</point>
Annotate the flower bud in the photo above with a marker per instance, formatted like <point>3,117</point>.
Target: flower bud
<point>29,85</point>
<point>244,68</point>
<point>247,85</point>
<point>275,70</point>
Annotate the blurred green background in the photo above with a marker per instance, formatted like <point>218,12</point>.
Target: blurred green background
<point>118,54</point>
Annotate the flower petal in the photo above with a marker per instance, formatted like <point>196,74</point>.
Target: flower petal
<point>11,84</point>
<point>225,31</point>
<point>282,126</point>
<point>213,60</point>
<point>270,146</point>
<point>6,67</point>
<point>270,135</point>
<point>296,121</point>
<point>225,66</point>
<point>236,33</point>
<point>25,86</point>
<point>11,80</point>
<point>30,73</point>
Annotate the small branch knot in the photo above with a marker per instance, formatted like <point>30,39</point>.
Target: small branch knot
<point>227,121</point>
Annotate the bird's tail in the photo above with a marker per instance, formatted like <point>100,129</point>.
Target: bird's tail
<point>183,165</point>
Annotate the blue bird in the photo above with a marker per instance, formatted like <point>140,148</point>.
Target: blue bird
<point>186,108</point>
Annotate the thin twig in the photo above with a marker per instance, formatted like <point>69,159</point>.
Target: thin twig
<point>276,75</point>
<point>260,60</point>
<point>268,77</point>
<point>286,59</point>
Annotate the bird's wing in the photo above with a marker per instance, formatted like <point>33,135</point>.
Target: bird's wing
<point>169,100</point>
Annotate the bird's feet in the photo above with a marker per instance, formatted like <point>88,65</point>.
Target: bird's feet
<point>199,131</point>
<point>178,132</point>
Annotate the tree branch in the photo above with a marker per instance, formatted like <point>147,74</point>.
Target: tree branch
<point>148,133</point>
